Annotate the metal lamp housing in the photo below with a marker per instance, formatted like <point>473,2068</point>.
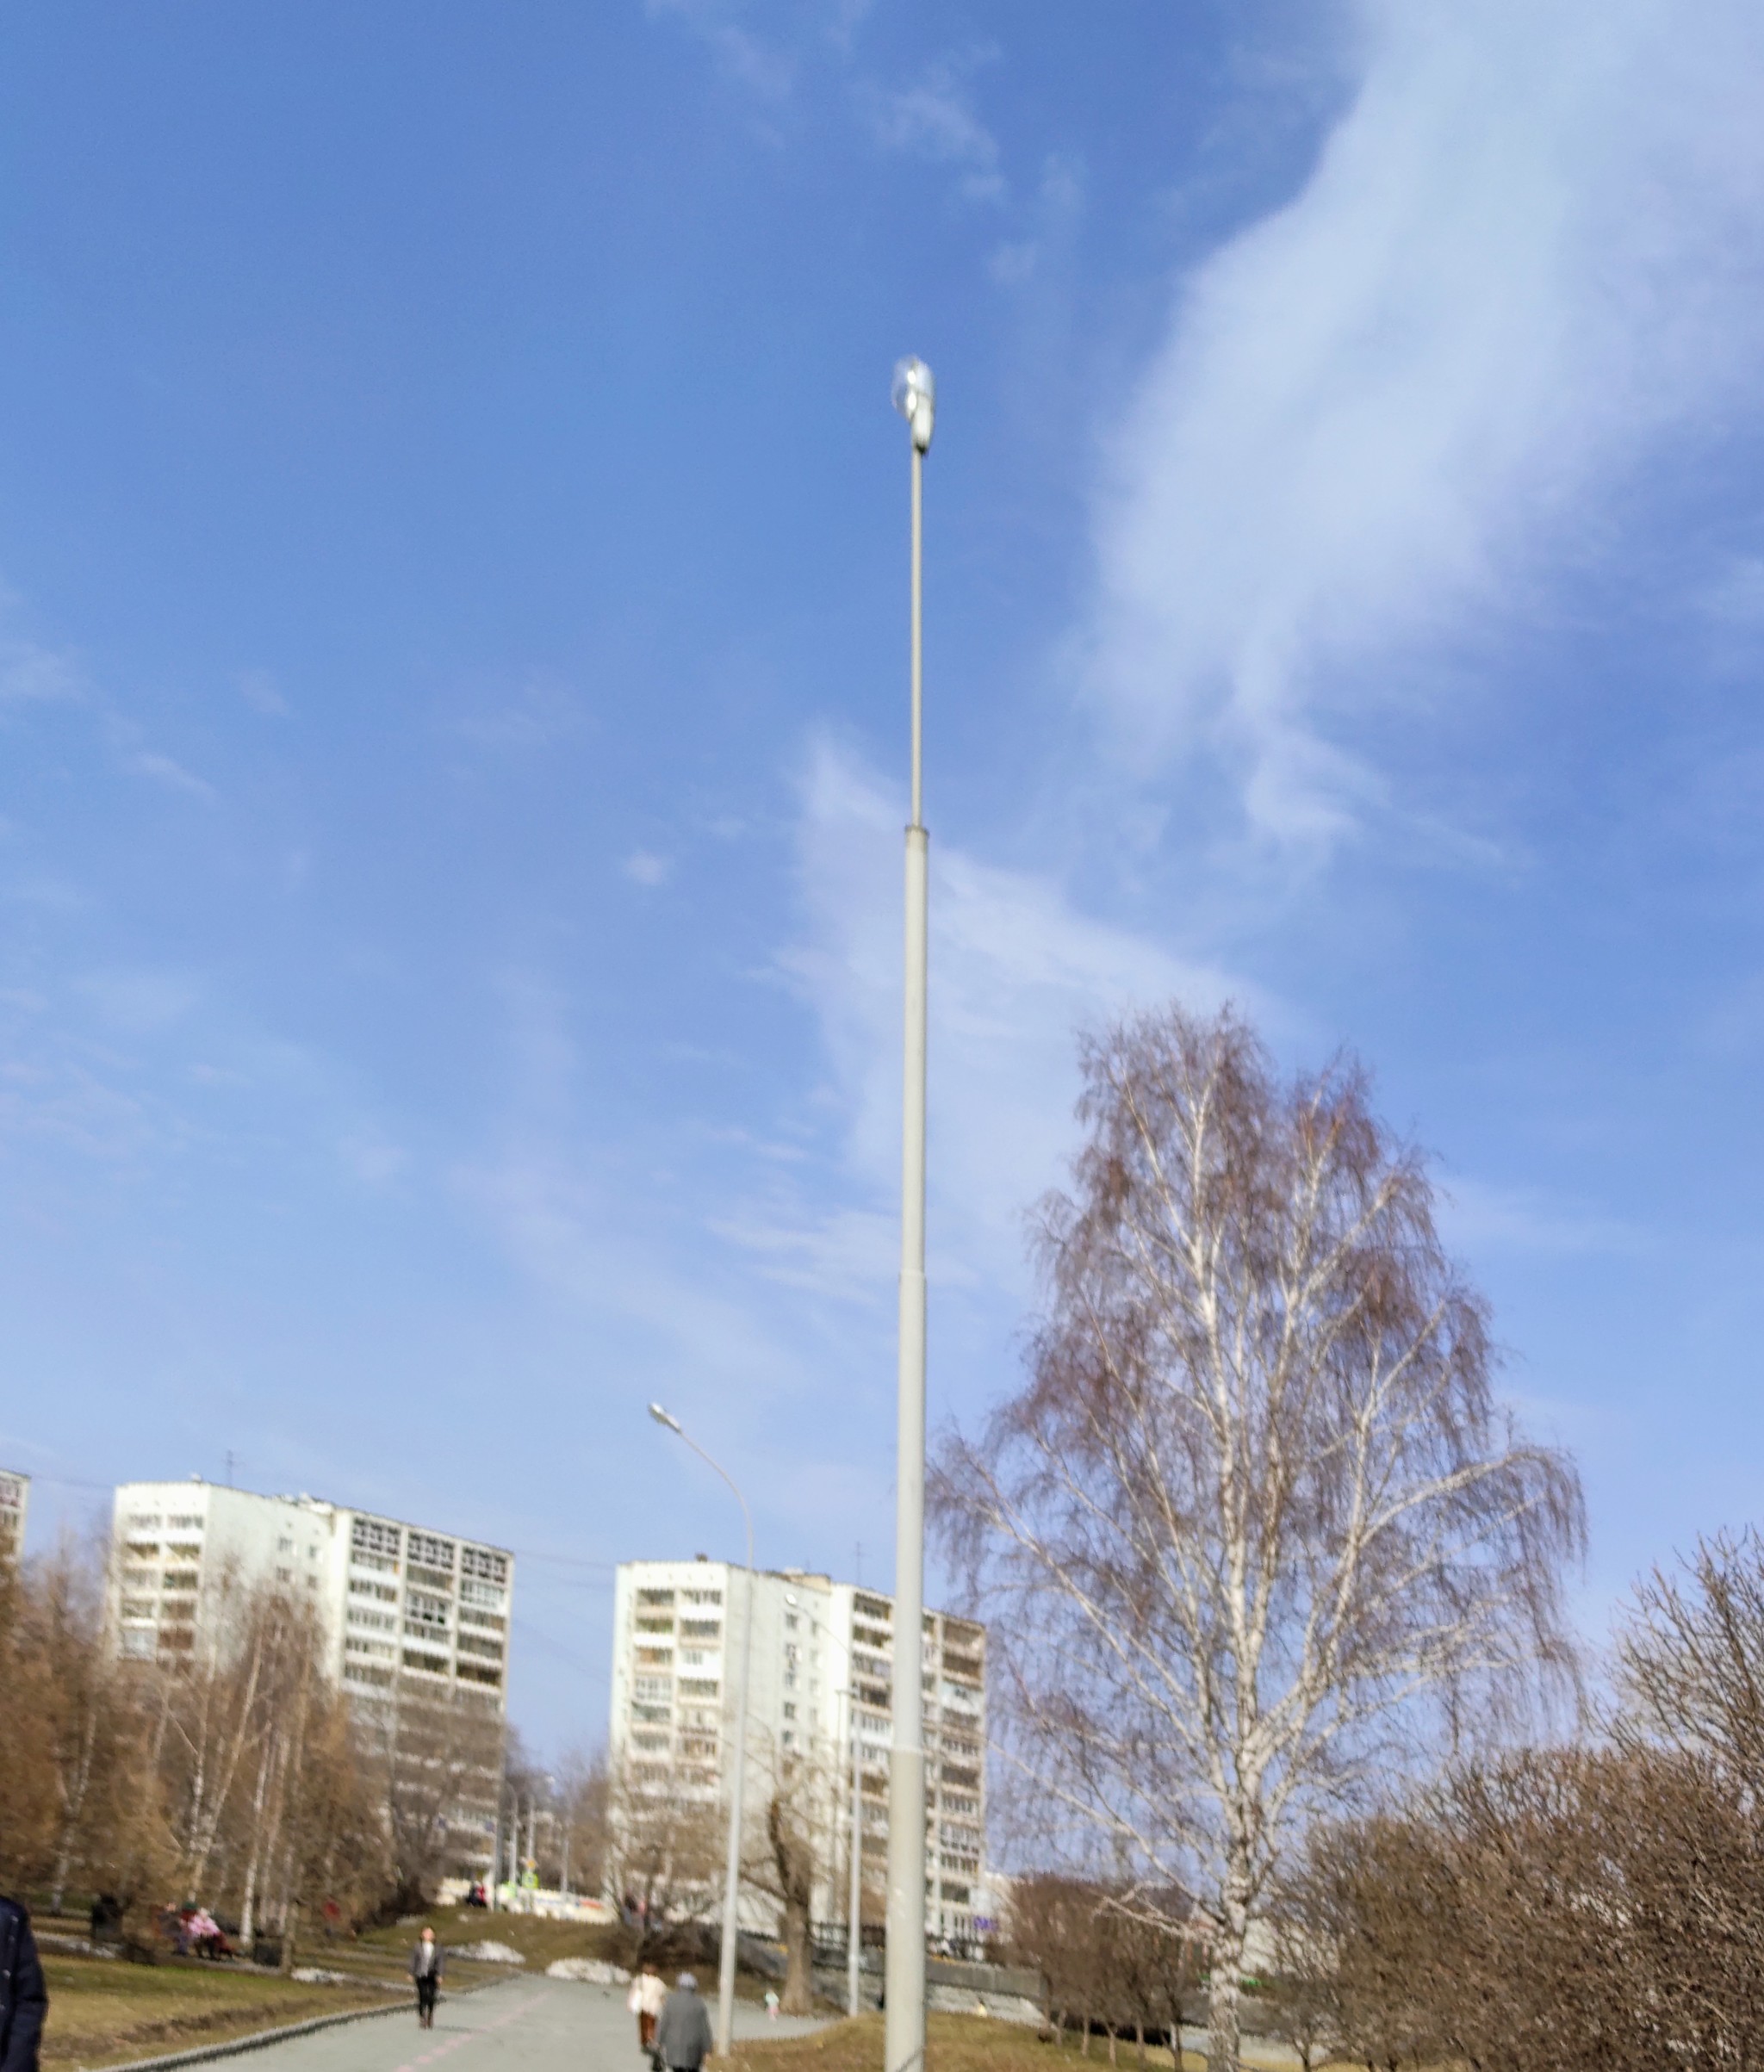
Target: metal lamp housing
<point>916,398</point>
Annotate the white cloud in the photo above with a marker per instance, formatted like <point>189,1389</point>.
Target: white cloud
<point>1530,247</point>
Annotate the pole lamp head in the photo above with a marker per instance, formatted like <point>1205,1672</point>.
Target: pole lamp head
<point>662,1418</point>
<point>916,398</point>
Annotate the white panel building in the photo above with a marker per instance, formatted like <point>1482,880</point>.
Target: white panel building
<point>15,1503</point>
<point>822,1668</point>
<point>393,1599</point>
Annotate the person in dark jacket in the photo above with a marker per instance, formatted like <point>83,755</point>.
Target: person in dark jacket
<point>23,2000</point>
<point>425,1969</point>
<point>683,2032</point>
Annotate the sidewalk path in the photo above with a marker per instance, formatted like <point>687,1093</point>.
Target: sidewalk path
<point>531,2025</point>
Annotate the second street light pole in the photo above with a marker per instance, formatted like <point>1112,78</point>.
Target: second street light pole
<point>904,2042</point>
<point>731,1875</point>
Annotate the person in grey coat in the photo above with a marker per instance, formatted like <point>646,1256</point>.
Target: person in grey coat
<point>683,2033</point>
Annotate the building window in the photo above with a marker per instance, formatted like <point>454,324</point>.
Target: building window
<point>789,1711</point>
<point>375,1537</point>
<point>654,1597</point>
<point>431,1552</point>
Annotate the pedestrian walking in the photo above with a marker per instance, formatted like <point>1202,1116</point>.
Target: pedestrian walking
<point>683,2032</point>
<point>425,1969</point>
<point>645,1999</point>
<point>24,2001</point>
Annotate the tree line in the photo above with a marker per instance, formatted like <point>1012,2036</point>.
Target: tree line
<point>237,1775</point>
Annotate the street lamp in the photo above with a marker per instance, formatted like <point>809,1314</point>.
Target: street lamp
<point>903,2046</point>
<point>731,1876</point>
<point>854,1898</point>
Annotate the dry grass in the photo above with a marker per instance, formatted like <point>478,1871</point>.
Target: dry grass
<point>953,2042</point>
<point>967,2043</point>
<point>105,2013</point>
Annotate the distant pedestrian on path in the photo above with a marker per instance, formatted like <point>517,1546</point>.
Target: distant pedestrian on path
<point>645,1999</point>
<point>425,1969</point>
<point>24,2001</point>
<point>683,2033</point>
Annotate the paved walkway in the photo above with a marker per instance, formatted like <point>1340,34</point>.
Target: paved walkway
<point>534,2025</point>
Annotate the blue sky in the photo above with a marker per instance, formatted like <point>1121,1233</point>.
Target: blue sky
<point>452,731</point>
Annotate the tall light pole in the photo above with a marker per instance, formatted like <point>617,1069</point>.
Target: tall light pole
<point>903,2044</point>
<point>731,1875</point>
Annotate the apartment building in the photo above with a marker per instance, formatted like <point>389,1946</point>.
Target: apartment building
<point>15,1502</point>
<point>822,1672</point>
<point>392,1599</point>
<point>414,1623</point>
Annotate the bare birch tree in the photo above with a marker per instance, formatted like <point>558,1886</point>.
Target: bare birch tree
<point>1256,1505</point>
<point>1691,1661</point>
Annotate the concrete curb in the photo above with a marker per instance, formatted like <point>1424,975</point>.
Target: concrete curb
<point>203,2054</point>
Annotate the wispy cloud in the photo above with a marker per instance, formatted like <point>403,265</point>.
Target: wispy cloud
<point>764,46</point>
<point>537,713</point>
<point>644,867</point>
<point>934,120</point>
<point>31,674</point>
<point>1532,245</point>
<point>259,691</point>
<point>1017,970</point>
<point>1477,1216</point>
<point>162,769</point>
<point>765,67</point>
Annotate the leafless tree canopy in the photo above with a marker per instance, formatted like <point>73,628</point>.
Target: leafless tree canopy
<point>1256,1498</point>
<point>236,1775</point>
<point>1691,1662</point>
<point>1557,1911</point>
